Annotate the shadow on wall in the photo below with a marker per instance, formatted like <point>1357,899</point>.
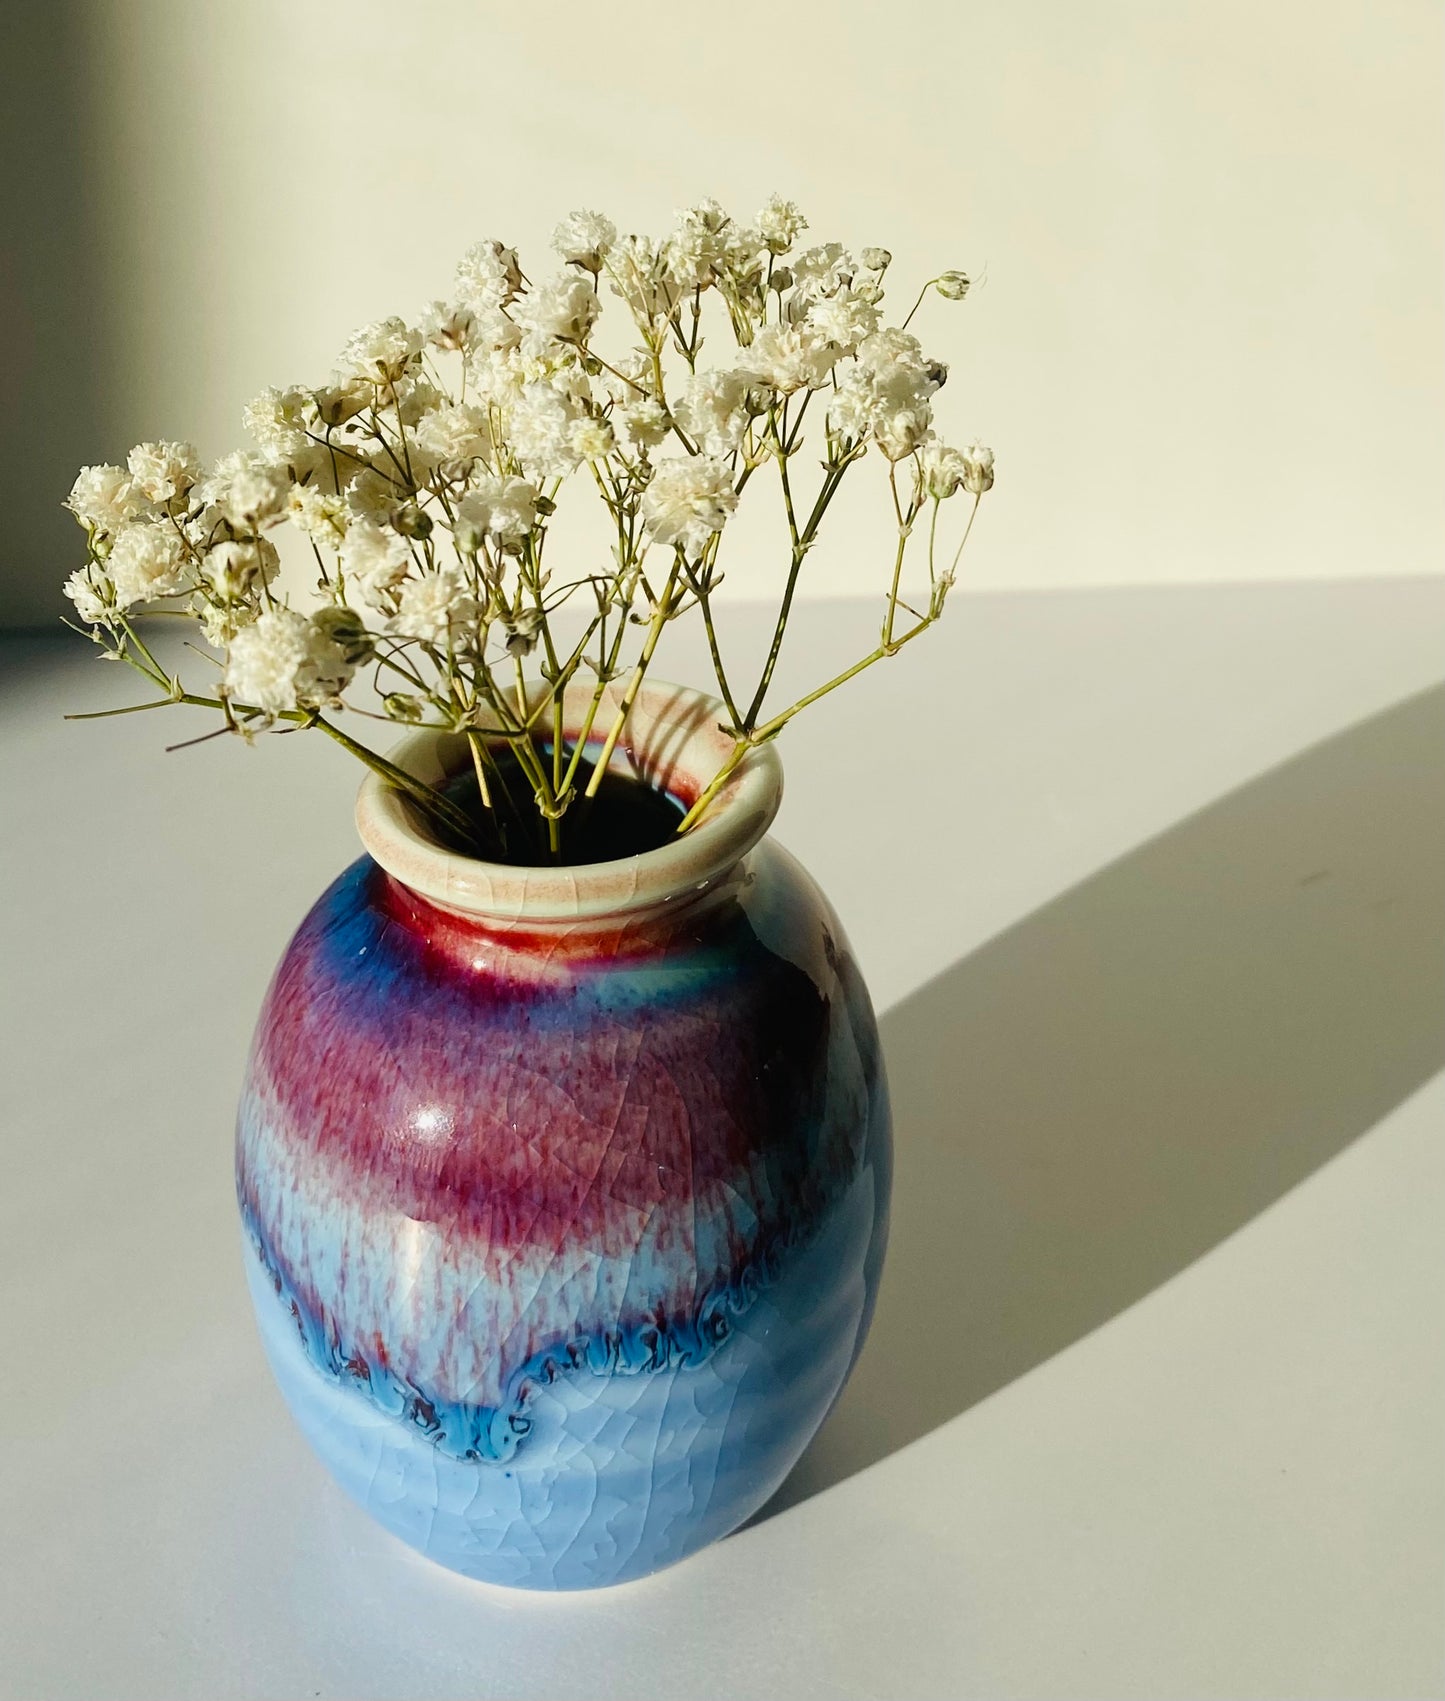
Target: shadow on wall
<point>1110,1088</point>
<point>50,303</point>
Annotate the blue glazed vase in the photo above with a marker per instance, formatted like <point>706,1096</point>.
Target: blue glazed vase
<point>565,1190</point>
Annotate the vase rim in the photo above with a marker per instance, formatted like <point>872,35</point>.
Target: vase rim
<point>673,740</point>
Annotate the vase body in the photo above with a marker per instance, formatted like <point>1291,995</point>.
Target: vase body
<point>563,1238</point>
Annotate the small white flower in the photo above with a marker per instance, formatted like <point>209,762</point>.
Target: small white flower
<point>877,259</point>
<point>245,487</point>
<point>203,525</point>
<point>696,249</point>
<point>900,431</point>
<point>450,325</point>
<point>413,397</point>
<point>888,348</point>
<point>323,517</point>
<point>493,332</point>
<point>712,409</point>
<point>282,661</point>
<point>689,499</point>
<point>644,422</point>
<point>941,470</point>
<point>641,274</point>
<point>234,567</point>
<point>435,607</point>
<point>978,469</point>
<point>823,270</point>
<point>458,433</point>
<point>851,406</point>
<point>221,621</point>
<point>488,275</point>
<point>105,497</point>
<point>375,559</point>
<point>505,508</point>
<point>592,439</point>
<point>336,403</point>
<point>279,421</point>
<point>789,358</point>
<point>780,223</point>
<point>744,254</point>
<point>564,309</point>
<point>147,561</point>
<point>93,595</point>
<point>630,377</point>
<point>162,471</point>
<point>571,380</point>
<point>585,239</point>
<point>540,425</point>
<point>952,286</point>
<point>868,286</point>
<point>495,378</point>
<point>257,495</point>
<point>383,350</point>
<point>843,319</point>
<point>887,392</point>
<point>372,495</point>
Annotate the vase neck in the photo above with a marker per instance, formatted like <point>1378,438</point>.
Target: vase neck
<point>673,741</point>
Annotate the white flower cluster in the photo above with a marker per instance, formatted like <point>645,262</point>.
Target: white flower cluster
<point>283,659</point>
<point>887,394</point>
<point>421,478</point>
<point>688,499</point>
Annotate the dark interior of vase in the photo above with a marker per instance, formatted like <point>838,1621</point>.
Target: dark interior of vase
<point>627,817</point>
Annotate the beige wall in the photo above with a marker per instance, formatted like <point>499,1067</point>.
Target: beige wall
<point>1206,340</point>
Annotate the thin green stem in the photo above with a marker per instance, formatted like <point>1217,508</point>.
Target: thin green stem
<point>157,672</point>
<point>433,802</point>
<point>802,542</point>
<point>699,587</point>
<point>475,743</point>
<point>773,727</point>
<point>917,304</point>
<point>892,610</point>
<point>715,785</point>
<point>131,709</point>
<point>958,553</point>
<point>439,807</point>
<point>634,684</point>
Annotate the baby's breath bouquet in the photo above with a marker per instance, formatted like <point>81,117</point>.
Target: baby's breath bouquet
<point>425,476</point>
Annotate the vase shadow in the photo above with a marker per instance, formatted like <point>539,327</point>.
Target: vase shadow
<point>1100,1094</point>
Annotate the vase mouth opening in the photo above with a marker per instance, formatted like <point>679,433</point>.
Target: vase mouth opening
<point>673,741</point>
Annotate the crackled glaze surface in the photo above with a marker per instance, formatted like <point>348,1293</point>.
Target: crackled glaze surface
<point>562,1243</point>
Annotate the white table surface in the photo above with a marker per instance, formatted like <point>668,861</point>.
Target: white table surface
<point>1154,1398</point>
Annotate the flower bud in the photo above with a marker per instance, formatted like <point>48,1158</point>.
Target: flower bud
<point>467,534</point>
<point>522,633</point>
<point>344,628</point>
<point>399,706</point>
<point>410,521</point>
<point>952,286</point>
<point>234,565</point>
<point>877,259</point>
<point>336,403</point>
<point>977,469</point>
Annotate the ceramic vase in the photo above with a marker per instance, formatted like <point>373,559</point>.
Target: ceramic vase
<point>565,1190</point>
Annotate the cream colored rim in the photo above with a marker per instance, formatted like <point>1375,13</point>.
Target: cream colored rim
<point>673,739</point>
